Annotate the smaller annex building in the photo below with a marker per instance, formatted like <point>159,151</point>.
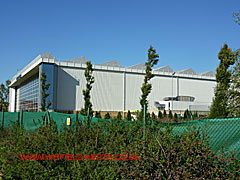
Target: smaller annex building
<point>115,88</point>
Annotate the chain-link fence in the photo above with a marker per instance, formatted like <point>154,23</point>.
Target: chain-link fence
<point>223,133</point>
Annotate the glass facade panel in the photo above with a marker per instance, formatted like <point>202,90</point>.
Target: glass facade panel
<point>28,95</point>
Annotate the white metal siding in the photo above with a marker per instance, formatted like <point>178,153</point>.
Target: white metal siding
<point>108,90</point>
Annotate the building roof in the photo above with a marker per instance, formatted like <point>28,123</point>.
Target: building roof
<point>137,66</point>
<point>186,71</point>
<point>80,60</point>
<point>45,55</point>
<point>207,73</point>
<point>112,63</point>
<point>164,69</point>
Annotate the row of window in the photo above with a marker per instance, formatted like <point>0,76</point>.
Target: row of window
<point>27,96</point>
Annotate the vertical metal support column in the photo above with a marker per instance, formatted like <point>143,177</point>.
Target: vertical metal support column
<point>172,90</point>
<point>124,93</point>
<point>177,86</point>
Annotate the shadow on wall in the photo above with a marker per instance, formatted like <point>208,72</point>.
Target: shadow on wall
<point>66,91</point>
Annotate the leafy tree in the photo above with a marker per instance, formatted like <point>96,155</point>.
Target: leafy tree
<point>146,86</point>
<point>175,117</point>
<point>223,77</point>
<point>98,114</point>
<point>234,90</point>
<point>4,96</point>
<point>129,116</point>
<point>86,92</point>
<point>160,115</point>
<point>236,17</point>
<point>119,116</point>
<point>45,94</point>
<point>107,116</point>
<point>170,115</point>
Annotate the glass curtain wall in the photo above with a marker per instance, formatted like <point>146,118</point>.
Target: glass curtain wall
<point>27,98</point>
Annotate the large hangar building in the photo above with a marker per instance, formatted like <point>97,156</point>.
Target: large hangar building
<point>115,88</point>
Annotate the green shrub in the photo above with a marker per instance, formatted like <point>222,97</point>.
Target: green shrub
<point>107,116</point>
<point>129,116</point>
<point>119,116</point>
<point>160,115</point>
<point>162,154</point>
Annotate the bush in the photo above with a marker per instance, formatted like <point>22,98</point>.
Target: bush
<point>170,115</point>
<point>162,154</point>
<point>160,115</point>
<point>119,116</point>
<point>98,114</point>
<point>175,117</point>
<point>107,116</point>
<point>154,118</point>
<point>129,116</point>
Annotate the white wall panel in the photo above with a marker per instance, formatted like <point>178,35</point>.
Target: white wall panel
<point>161,88</point>
<point>12,93</point>
<point>68,83</point>
<point>202,90</point>
<point>18,100</point>
<point>133,91</point>
<point>107,92</point>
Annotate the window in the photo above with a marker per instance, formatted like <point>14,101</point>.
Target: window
<point>28,95</point>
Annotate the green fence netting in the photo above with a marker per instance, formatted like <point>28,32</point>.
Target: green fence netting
<point>223,133</point>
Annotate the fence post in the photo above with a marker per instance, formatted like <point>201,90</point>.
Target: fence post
<point>21,119</point>
<point>2,119</point>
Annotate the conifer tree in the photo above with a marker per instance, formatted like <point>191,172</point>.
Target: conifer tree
<point>119,116</point>
<point>107,116</point>
<point>223,77</point>
<point>153,116</point>
<point>164,114</point>
<point>175,117</point>
<point>160,115</point>
<point>98,114</point>
<point>187,114</point>
<point>170,115</point>
<point>129,116</point>
<point>195,115</point>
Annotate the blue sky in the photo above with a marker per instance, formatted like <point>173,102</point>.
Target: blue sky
<point>186,33</point>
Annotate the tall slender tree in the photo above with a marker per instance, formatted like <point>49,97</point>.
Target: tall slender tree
<point>86,92</point>
<point>4,96</point>
<point>234,90</point>
<point>45,94</point>
<point>153,58</point>
<point>223,77</point>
